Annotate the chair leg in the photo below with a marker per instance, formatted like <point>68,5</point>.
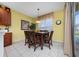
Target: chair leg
<point>49,45</point>
<point>34,48</point>
<point>51,42</point>
<point>41,42</point>
<point>34,42</point>
<point>25,42</point>
<point>29,43</point>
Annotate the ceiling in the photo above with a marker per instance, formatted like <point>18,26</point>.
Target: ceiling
<point>30,8</point>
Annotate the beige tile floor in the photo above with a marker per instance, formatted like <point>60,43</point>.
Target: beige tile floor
<point>20,50</point>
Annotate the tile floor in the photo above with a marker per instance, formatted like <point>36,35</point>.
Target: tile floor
<point>20,50</point>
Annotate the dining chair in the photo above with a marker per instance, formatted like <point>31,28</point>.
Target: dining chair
<point>30,36</point>
<point>48,38</point>
<point>26,37</point>
<point>45,35</point>
<point>33,39</point>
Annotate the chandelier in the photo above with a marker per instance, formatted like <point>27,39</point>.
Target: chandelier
<point>37,21</point>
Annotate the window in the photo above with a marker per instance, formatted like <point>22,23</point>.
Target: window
<point>45,24</point>
<point>77,21</point>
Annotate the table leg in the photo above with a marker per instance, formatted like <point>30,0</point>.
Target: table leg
<point>41,42</point>
<point>29,43</point>
<point>34,42</point>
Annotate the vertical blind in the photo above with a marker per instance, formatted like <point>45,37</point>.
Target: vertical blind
<point>46,24</point>
<point>77,18</point>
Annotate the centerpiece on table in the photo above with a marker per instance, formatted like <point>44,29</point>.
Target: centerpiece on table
<point>33,26</point>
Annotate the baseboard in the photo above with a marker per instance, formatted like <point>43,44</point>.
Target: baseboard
<point>18,41</point>
<point>58,41</point>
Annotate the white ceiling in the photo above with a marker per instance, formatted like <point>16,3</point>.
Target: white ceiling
<point>30,8</point>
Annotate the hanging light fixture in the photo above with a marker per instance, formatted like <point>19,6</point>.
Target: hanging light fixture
<point>38,16</point>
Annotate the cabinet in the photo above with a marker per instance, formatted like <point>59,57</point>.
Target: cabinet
<point>7,39</point>
<point>1,15</point>
<point>5,16</point>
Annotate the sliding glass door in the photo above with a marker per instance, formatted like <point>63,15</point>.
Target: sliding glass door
<point>76,30</point>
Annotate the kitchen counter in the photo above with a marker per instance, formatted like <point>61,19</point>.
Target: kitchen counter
<point>2,32</point>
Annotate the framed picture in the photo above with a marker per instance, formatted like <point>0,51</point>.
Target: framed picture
<point>24,25</point>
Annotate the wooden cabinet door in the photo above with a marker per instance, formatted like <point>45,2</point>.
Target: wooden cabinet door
<point>9,19</point>
<point>1,16</point>
<point>7,39</point>
<point>5,16</point>
<point>0,19</point>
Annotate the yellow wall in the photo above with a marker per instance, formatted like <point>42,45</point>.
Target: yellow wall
<point>58,29</point>
<point>17,33</point>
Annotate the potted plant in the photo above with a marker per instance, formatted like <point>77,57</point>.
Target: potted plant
<point>33,26</point>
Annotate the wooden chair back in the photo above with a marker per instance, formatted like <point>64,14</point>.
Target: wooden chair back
<point>26,34</point>
<point>51,34</point>
<point>43,30</point>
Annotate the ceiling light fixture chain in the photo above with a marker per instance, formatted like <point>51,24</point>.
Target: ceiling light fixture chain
<point>38,16</point>
<point>38,11</point>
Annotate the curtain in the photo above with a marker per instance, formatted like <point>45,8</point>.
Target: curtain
<point>49,15</point>
<point>67,38</point>
<point>46,22</point>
